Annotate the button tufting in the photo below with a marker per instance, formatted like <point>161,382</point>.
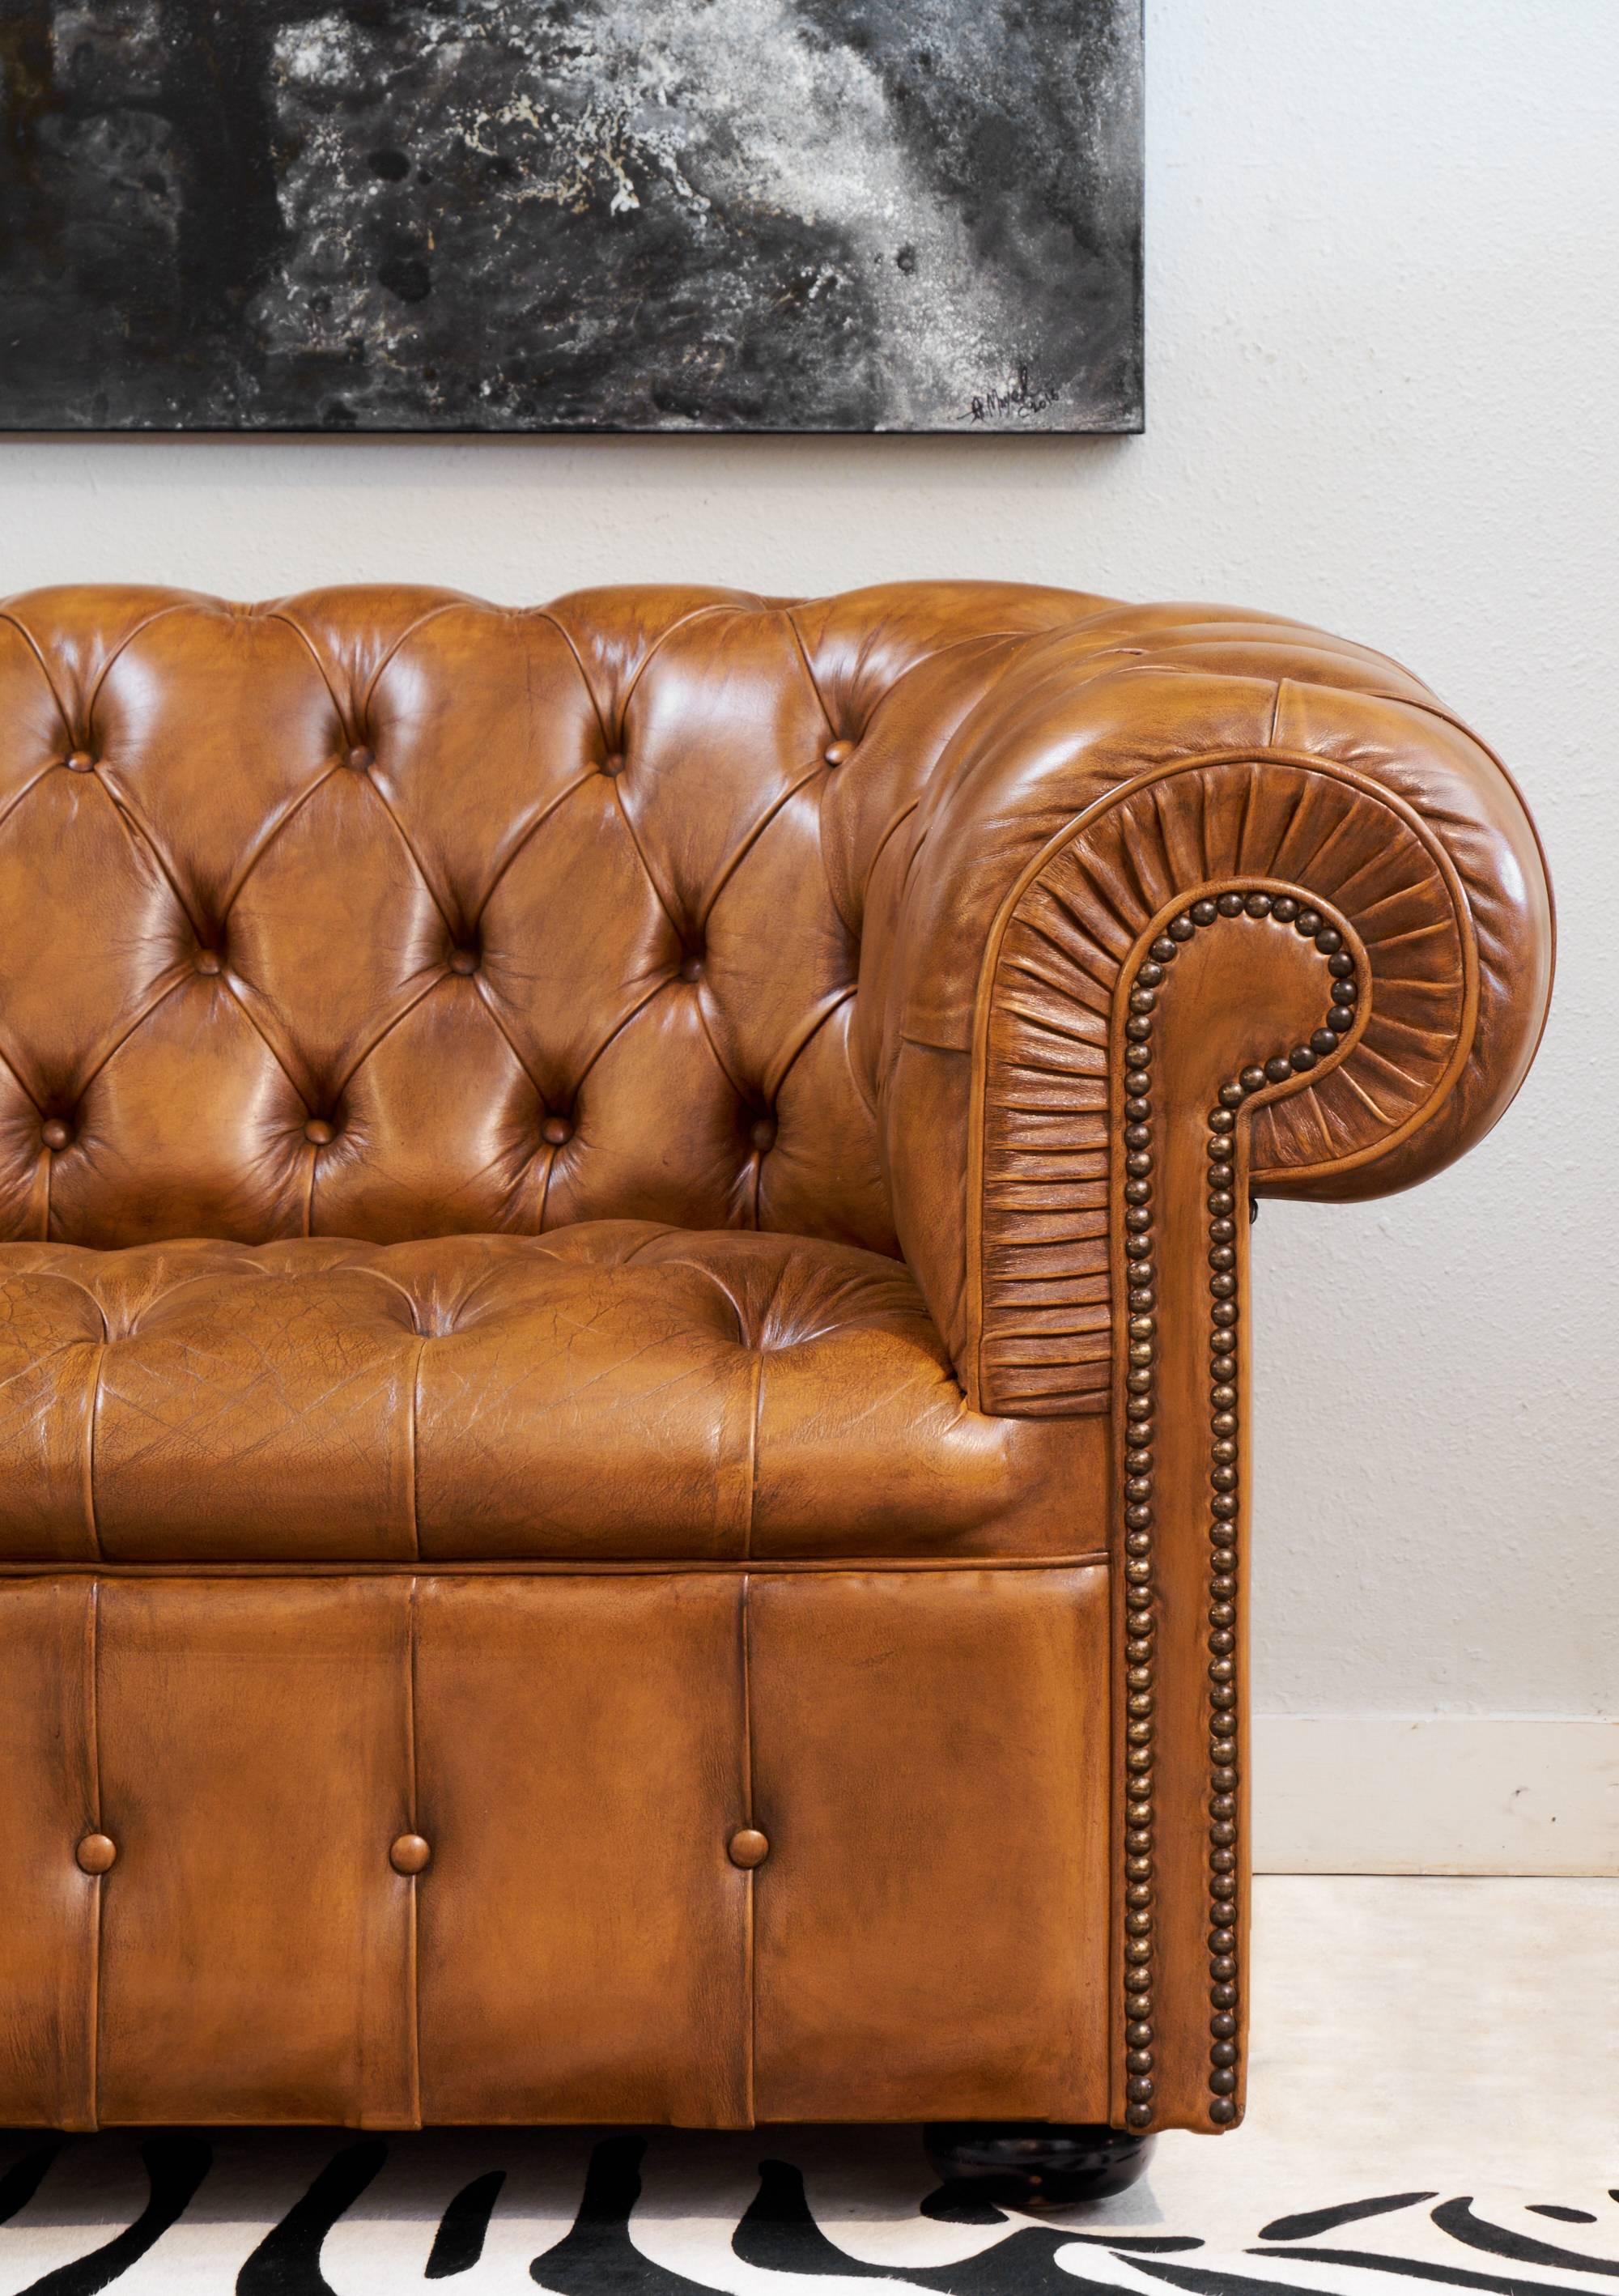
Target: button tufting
<point>463,961</point>
<point>839,753</point>
<point>748,1848</point>
<point>410,1854</point>
<point>612,766</point>
<point>318,1133</point>
<point>97,1853</point>
<point>207,961</point>
<point>764,1135</point>
<point>556,1129</point>
<point>55,1132</point>
<point>361,758</point>
<point>692,968</point>
<point>81,762</point>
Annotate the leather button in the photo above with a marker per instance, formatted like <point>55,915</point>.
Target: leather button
<point>839,753</point>
<point>361,758</point>
<point>97,1853</point>
<point>556,1129</point>
<point>81,762</point>
<point>748,1848</point>
<point>55,1132</point>
<point>208,961</point>
<point>692,968</point>
<point>318,1133</point>
<point>409,1854</point>
<point>463,961</point>
<point>613,766</point>
<point>764,1135</point>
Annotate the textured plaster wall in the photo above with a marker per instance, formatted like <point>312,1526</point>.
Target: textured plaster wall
<point>1383,394</point>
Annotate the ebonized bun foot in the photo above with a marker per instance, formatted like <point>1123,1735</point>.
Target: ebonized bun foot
<point>1035,2164</point>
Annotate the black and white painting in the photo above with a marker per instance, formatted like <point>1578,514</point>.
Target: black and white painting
<point>613,215</point>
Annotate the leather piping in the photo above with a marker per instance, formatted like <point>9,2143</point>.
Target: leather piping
<point>661,898</point>
<point>416,860</point>
<point>136,827</point>
<point>150,622</point>
<point>37,651</point>
<point>18,795</point>
<point>111,1052</point>
<point>256,854</point>
<point>747,604</point>
<point>814,685</point>
<point>657,989</point>
<point>811,1029</point>
<point>751,836</point>
<point>581,780</point>
<point>432,614</point>
<point>406,1004</point>
<point>545,615</point>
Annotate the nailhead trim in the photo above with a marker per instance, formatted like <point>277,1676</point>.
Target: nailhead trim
<point>1141,1675</point>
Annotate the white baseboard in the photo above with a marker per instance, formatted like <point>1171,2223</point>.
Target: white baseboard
<point>1339,1793</point>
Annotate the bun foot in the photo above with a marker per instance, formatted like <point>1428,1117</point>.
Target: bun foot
<point>1034,2164</point>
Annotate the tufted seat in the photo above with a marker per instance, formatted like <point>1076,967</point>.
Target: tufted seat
<point>615,1391</point>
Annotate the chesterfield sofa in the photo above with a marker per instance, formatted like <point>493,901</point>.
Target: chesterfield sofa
<point>624,1419</point>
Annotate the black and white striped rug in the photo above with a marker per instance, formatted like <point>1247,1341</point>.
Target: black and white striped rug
<point>593,2213</point>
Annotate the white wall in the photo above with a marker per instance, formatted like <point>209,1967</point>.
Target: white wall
<point>1383,354</point>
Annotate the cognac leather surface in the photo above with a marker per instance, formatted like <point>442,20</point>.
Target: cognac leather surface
<point>988,1986</point>
<point>624,1417</point>
<point>614,1391</point>
<point>927,1753</point>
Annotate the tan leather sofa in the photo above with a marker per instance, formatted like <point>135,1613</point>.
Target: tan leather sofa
<point>623,1416</point>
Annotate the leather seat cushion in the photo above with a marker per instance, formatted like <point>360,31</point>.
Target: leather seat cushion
<point>616,1390</point>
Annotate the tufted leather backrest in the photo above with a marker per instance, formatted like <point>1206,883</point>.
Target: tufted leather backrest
<point>385,913</point>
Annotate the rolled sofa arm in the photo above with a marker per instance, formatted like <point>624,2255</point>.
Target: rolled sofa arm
<point>1140,761</point>
<point>1196,905</point>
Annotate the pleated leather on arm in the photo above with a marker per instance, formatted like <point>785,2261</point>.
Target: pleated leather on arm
<point>1121,767</point>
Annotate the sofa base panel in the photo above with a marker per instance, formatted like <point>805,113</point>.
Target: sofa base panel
<point>706,1849</point>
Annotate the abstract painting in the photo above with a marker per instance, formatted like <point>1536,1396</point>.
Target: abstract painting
<point>576,215</point>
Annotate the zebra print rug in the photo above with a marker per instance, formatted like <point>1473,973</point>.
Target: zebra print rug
<point>582,2213</point>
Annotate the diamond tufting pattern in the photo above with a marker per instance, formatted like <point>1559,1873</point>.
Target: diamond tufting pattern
<point>388,914</point>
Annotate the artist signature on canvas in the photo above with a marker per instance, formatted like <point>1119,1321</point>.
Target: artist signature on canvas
<point>1020,398</point>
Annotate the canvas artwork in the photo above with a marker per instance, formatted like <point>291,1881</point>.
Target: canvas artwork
<point>591,215</point>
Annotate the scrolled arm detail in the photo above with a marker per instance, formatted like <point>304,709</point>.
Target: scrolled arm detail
<point>1144,758</point>
<point>1309,832</point>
